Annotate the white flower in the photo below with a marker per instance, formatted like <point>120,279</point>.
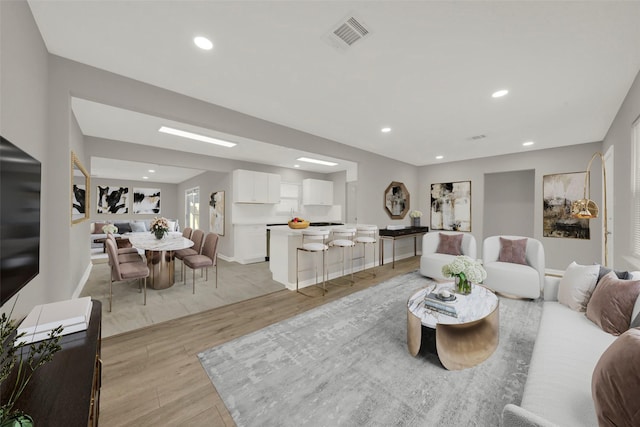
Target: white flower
<point>471,268</point>
<point>415,214</point>
<point>159,224</point>
<point>109,229</point>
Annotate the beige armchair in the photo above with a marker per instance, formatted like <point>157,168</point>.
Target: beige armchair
<point>431,262</point>
<point>512,278</point>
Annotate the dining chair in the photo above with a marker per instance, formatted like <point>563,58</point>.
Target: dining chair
<point>124,271</point>
<point>208,258</point>
<point>121,250</point>
<point>196,237</point>
<point>186,233</point>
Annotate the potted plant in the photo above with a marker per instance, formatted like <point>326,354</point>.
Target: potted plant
<point>18,362</point>
<point>159,227</point>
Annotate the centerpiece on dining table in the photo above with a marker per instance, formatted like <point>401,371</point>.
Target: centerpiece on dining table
<point>159,227</point>
<point>466,271</point>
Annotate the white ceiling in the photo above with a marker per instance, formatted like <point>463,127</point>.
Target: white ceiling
<point>427,69</point>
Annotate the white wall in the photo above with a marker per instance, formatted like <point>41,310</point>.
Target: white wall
<point>558,252</point>
<point>619,136</point>
<point>23,121</point>
<point>509,203</point>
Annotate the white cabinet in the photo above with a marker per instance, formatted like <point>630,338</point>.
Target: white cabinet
<point>255,187</point>
<point>249,243</point>
<point>317,192</point>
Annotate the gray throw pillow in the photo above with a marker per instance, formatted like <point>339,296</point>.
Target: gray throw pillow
<point>138,227</point>
<point>624,275</point>
<point>123,227</point>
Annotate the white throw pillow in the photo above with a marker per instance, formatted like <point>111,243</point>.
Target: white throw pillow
<point>577,285</point>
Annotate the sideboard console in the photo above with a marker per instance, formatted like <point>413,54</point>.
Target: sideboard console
<point>66,391</point>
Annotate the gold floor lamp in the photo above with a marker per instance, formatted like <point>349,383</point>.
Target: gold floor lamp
<point>586,208</point>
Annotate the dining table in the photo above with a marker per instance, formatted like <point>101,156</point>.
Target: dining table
<point>160,255</point>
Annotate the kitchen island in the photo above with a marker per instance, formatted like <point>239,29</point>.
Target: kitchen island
<point>284,242</point>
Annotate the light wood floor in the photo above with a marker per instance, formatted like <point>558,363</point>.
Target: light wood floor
<point>152,376</point>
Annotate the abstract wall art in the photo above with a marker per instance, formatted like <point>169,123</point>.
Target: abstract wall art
<point>146,200</point>
<point>558,192</point>
<point>112,200</point>
<point>216,212</point>
<point>451,206</point>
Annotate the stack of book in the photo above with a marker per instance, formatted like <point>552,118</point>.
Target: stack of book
<point>433,302</point>
<point>73,315</point>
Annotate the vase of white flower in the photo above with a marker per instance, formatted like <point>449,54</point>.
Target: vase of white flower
<point>415,218</point>
<point>466,271</point>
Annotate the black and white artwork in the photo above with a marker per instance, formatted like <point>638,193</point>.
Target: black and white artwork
<point>112,200</point>
<point>78,208</point>
<point>216,212</point>
<point>558,192</point>
<point>146,200</point>
<point>451,206</point>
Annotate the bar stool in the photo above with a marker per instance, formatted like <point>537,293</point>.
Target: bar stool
<point>344,238</point>
<point>367,235</point>
<point>313,241</point>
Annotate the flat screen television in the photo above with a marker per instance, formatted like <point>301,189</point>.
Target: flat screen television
<point>20,182</point>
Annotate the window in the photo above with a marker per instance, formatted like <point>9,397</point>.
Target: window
<point>192,207</point>
<point>635,189</point>
<point>289,199</point>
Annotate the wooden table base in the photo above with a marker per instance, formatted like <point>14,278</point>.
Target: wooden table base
<point>459,346</point>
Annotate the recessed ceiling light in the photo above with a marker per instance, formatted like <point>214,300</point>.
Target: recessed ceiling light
<point>196,136</point>
<point>296,166</point>
<point>145,177</point>
<point>385,130</point>
<point>439,157</point>
<point>316,161</point>
<point>499,93</point>
<point>203,43</point>
<point>152,170</point>
<point>528,143</point>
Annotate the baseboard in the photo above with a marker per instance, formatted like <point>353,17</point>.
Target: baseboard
<point>83,281</point>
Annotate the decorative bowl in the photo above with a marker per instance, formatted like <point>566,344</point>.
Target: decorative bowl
<point>298,225</point>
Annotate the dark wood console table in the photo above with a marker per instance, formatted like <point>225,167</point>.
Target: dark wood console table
<point>66,391</point>
<point>402,233</point>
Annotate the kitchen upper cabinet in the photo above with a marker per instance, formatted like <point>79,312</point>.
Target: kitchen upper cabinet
<point>255,187</point>
<point>317,192</point>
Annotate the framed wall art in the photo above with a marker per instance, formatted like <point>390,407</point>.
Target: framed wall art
<point>558,192</point>
<point>451,206</point>
<point>216,212</point>
<point>396,200</point>
<point>80,183</point>
<point>112,200</point>
<point>146,200</point>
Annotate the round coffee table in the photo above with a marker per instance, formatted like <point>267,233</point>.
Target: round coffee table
<point>463,341</point>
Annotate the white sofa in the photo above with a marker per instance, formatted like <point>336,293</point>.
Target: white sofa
<point>124,226</point>
<point>431,263</point>
<point>558,387</point>
<point>500,274</point>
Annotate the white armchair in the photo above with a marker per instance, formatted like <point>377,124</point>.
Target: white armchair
<point>520,280</point>
<point>431,262</point>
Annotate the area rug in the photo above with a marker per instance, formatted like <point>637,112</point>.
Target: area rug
<point>346,364</point>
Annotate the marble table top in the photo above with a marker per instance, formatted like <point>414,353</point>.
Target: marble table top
<point>477,305</point>
<point>148,241</point>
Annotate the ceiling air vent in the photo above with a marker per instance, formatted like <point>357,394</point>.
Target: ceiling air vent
<point>347,32</point>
